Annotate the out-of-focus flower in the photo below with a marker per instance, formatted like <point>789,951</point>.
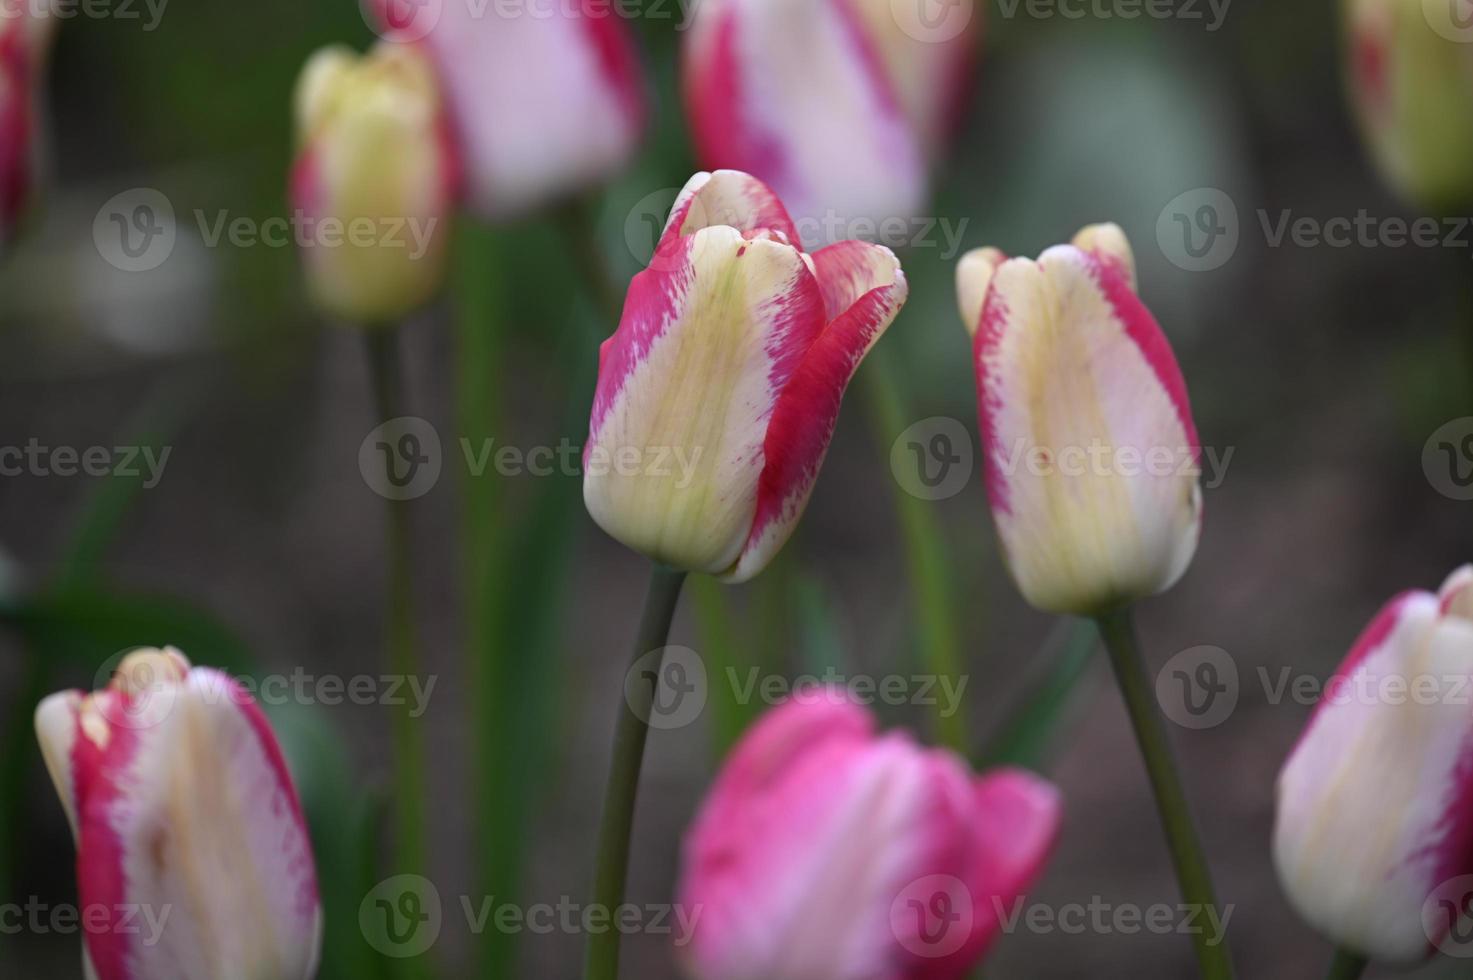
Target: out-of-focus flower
<point>827,851</point>
<point>1411,83</point>
<point>718,393</point>
<point>1091,455</point>
<point>840,105</point>
<point>1375,803</point>
<point>25,35</point>
<point>546,99</point>
<point>374,182</point>
<point>189,833</point>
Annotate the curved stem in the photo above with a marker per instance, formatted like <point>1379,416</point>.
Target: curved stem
<point>1118,631</point>
<point>1346,965</point>
<point>409,795</point>
<point>636,702</point>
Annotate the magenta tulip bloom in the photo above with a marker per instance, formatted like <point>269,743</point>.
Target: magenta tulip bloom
<point>828,851</point>
<point>24,36</point>
<point>190,838</point>
<point>1375,804</point>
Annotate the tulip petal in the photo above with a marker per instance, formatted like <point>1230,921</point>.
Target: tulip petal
<point>863,291</point>
<point>1109,244</point>
<point>796,93</point>
<point>1375,804</point>
<point>1091,453</point>
<point>973,277</point>
<point>1016,817</point>
<point>731,198</point>
<point>687,385</point>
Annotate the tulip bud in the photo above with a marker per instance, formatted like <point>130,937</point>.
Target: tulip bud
<point>1373,803</point>
<point>719,392</point>
<point>1090,451</point>
<point>832,102</point>
<point>826,851</point>
<point>188,829</point>
<point>1411,83</point>
<point>25,31</point>
<point>373,183</point>
<point>546,100</point>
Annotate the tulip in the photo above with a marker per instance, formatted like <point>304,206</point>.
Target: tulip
<point>826,851</point>
<point>1090,451</point>
<point>1411,85</point>
<point>1373,802</point>
<point>840,105</point>
<point>374,181</point>
<point>25,31</point>
<point>190,838</point>
<point>718,393</point>
<point>546,98</point>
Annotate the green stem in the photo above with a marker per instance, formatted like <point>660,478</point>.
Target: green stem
<point>927,565</point>
<point>632,729</point>
<point>409,781</point>
<point>1346,966</point>
<point>1118,631</point>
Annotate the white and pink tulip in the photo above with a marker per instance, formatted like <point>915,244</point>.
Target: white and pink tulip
<point>190,837</point>
<point>839,105</point>
<point>1091,454</point>
<point>719,392</point>
<point>376,178</point>
<point>829,851</point>
<point>546,99</point>
<point>1375,803</point>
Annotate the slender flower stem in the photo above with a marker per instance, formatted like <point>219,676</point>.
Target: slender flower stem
<point>1346,966</point>
<point>409,782</point>
<point>1118,631</point>
<point>636,703</point>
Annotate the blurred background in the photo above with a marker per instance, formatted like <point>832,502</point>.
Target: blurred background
<point>1323,370</point>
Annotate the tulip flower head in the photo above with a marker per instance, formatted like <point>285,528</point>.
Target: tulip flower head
<point>839,105</point>
<point>545,100</point>
<point>25,31</point>
<point>828,851</point>
<point>1091,454</point>
<point>1410,73</point>
<point>1375,803</point>
<point>188,828</point>
<point>375,179</point>
<point>719,392</point>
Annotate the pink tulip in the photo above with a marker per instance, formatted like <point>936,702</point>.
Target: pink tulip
<point>24,36</point>
<point>190,838</point>
<point>840,105</point>
<point>1375,803</point>
<point>546,97</point>
<point>719,392</point>
<point>827,851</point>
